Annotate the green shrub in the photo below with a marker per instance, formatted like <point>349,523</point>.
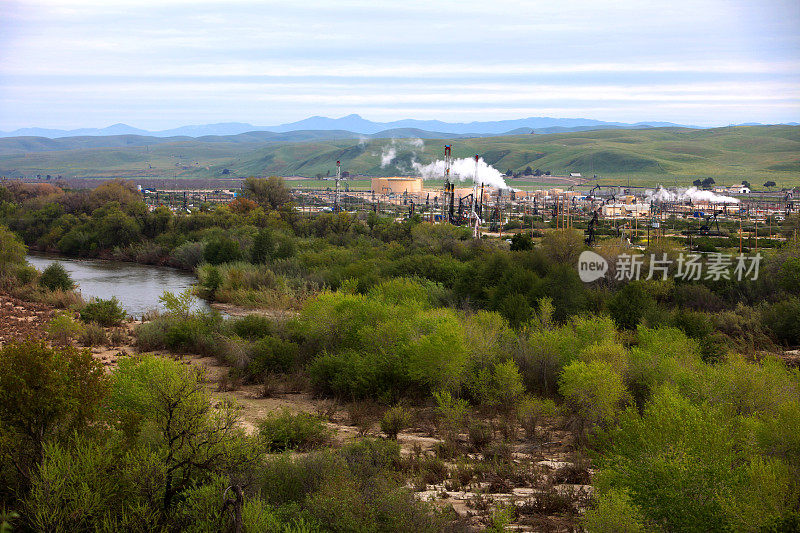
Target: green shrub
<point>26,274</point>
<point>689,467</point>
<point>630,305</point>
<point>93,335</point>
<point>151,335</point>
<point>12,251</point>
<point>252,327</point>
<point>521,241</point>
<point>55,277</point>
<point>532,411</point>
<point>222,250</point>
<point>188,255</point>
<point>614,513</point>
<point>594,390</point>
<point>63,328</point>
<point>263,247</point>
<point>179,304</point>
<point>271,354</point>
<point>783,319</point>
<point>394,420</point>
<point>286,431</point>
<point>107,313</point>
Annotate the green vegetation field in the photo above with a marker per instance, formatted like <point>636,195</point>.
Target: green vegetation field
<point>645,157</point>
<point>472,384</point>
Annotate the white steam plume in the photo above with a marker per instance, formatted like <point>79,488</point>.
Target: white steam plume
<point>463,169</point>
<point>389,152</point>
<point>693,193</point>
<point>387,155</point>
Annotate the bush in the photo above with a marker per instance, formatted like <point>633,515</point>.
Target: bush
<point>521,241</point>
<point>783,319</point>
<point>63,328</point>
<point>222,250</point>
<point>394,420</point>
<point>252,327</point>
<point>188,255</point>
<point>107,313</point>
<point>55,277</point>
<point>629,305</point>
<point>681,464</point>
<point>151,335</point>
<point>286,431</point>
<point>614,513</point>
<point>531,412</point>
<point>93,335</point>
<point>271,354</point>
<point>263,247</point>
<point>594,390</point>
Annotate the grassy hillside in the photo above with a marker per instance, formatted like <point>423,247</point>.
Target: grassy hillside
<point>647,157</point>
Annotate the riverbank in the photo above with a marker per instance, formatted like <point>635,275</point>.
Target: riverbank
<point>545,467</point>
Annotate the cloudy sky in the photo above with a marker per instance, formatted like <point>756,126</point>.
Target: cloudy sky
<point>157,64</point>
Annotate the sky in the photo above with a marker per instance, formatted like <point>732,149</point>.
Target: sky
<point>158,64</point>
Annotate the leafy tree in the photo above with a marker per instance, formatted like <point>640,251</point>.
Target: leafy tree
<point>222,250</point>
<point>708,182</point>
<point>12,251</point>
<point>686,467</point>
<point>563,246</point>
<point>594,391</point>
<point>270,192</point>
<point>528,171</point>
<point>769,184</point>
<point>521,241</point>
<point>45,394</point>
<point>263,247</point>
<point>120,191</point>
<point>115,228</point>
<point>630,305</point>
<point>55,277</point>
<point>167,404</point>
<point>697,183</point>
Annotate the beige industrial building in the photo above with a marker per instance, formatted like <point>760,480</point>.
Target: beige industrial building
<point>396,185</point>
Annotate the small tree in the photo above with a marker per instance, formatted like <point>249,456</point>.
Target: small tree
<point>12,251</point>
<point>769,184</point>
<point>263,247</point>
<point>697,183</point>
<point>56,277</point>
<point>45,393</point>
<point>179,304</point>
<point>168,404</point>
<point>394,420</point>
<point>270,192</point>
<point>594,391</point>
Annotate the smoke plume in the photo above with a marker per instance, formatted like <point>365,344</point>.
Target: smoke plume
<point>462,170</point>
<point>389,152</point>
<point>693,193</point>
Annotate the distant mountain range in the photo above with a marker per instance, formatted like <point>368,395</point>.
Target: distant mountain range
<point>354,124</point>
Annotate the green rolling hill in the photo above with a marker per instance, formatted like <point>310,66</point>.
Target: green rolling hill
<point>644,156</point>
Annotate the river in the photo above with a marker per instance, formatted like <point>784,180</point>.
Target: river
<point>137,287</point>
